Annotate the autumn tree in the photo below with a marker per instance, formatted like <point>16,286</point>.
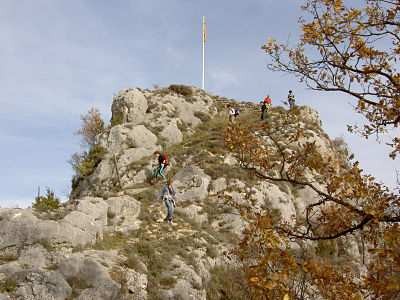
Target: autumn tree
<point>86,161</point>
<point>354,51</point>
<point>346,50</point>
<point>92,126</point>
<point>344,202</point>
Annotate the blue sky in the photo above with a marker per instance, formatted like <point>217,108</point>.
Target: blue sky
<point>59,58</point>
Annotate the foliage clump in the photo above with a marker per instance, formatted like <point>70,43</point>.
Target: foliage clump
<point>117,118</point>
<point>92,126</point>
<point>85,163</point>
<point>8,285</point>
<point>351,50</point>
<point>180,89</point>
<point>47,202</point>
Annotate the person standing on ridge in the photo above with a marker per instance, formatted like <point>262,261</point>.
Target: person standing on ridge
<point>168,196</point>
<point>291,100</point>
<point>231,113</point>
<point>265,106</point>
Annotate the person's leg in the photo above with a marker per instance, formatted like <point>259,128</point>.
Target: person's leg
<point>161,172</point>
<point>262,115</point>
<point>170,209</point>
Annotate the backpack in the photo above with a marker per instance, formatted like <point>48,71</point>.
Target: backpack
<point>163,157</point>
<point>267,100</point>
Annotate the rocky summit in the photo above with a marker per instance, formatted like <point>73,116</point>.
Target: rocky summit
<point>110,241</point>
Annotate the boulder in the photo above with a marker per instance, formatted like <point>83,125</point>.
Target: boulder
<point>129,106</point>
<point>218,185</point>
<point>140,137</point>
<point>133,154</point>
<point>270,195</point>
<point>191,184</point>
<point>41,285</point>
<point>34,257</point>
<point>126,136</point>
<point>193,212</point>
<point>136,284</point>
<point>171,133</point>
<point>93,274</point>
<point>94,207</point>
<point>80,227</point>
<point>124,213</point>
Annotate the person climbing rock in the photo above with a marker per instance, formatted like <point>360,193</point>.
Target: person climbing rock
<point>163,162</point>
<point>231,113</point>
<point>291,99</point>
<point>168,196</point>
<point>265,106</point>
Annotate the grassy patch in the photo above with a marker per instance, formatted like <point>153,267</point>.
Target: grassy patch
<point>111,241</point>
<point>7,257</point>
<point>202,116</point>
<point>8,285</point>
<point>133,262</point>
<point>167,281</point>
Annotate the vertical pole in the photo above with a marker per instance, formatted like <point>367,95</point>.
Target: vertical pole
<point>203,45</point>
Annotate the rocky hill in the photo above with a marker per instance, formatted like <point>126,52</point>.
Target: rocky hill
<point>110,242</point>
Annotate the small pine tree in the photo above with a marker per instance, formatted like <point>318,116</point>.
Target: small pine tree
<point>47,202</point>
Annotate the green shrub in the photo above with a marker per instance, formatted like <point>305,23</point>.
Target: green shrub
<point>168,281</point>
<point>8,285</point>
<point>47,202</point>
<point>202,116</point>
<point>85,164</point>
<point>117,119</point>
<point>181,89</point>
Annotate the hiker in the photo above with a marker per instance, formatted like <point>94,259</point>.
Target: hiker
<point>231,112</point>
<point>237,112</point>
<point>162,165</point>
<point>265,106</point>
<point>291,99</point>
<point>168,196</point>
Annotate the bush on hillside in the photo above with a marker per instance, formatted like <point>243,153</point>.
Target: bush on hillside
<point>92,126</point>
<point>84,164</point>
<point>181,89</point>
<point>47,202</point>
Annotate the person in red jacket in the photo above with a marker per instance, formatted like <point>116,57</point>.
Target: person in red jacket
<point>163,162</point>
<point>265,106</point>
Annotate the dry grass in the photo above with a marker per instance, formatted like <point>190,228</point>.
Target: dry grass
<point>227,283</point>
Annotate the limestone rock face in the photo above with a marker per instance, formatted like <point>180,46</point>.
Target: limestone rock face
<point>270,195</point>
<point>92,274</point>
<point>35,285</point>
<point>171,133</point>
<point>136,284</point>
<point>192,184</point>
<point>124,212</point>
<point>80,227</point>
<point>129,106</point>
<point>218,185</point>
